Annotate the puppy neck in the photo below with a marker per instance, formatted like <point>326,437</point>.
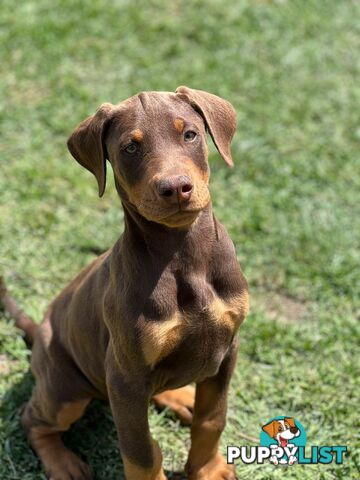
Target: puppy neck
<point>162,240</point>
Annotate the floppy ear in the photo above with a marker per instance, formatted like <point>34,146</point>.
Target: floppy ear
<point>219,116</point>
<point>290,421</point>
<point>270,428</point>
<point>86,144</point>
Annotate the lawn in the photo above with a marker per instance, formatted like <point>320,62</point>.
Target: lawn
<point>291,68</point>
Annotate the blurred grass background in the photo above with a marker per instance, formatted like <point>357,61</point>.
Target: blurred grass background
<point>291,205</point>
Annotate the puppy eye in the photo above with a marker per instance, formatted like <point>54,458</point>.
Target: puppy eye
<point>131,148</point>
<point>190,136</point>
<point>280,429</point>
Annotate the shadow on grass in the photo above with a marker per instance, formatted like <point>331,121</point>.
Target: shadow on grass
<point>93,438</point>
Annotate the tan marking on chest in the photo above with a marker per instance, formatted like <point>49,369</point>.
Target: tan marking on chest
<point>159,338</point>
<point>230,312</point>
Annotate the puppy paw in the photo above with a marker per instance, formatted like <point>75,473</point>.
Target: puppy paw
<point>215,469</point>
<point>69,467</point>
<point>180,401</point>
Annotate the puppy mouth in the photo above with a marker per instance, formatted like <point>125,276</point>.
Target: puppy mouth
<point>183,210</point>
<point>180,218</point>
<point>283,441</point>
<point>181,214</point>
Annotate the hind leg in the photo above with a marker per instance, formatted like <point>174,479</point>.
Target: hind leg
<point>180,401</point>
<point>43,422</point>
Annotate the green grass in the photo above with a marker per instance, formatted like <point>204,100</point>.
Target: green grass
<point>292,205</point>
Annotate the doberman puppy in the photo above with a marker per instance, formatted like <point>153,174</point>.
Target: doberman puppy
<point>160,309</point>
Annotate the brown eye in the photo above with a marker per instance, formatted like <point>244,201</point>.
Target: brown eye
<point>280,429</point>
<point>190,136</point>
<point>131,148</point>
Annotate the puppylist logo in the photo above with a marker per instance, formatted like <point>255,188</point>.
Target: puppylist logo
<point>282,442</point>
<point>283,435</point>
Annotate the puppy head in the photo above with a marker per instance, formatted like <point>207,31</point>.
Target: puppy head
<point>156,144</point>
<point>282,430</point>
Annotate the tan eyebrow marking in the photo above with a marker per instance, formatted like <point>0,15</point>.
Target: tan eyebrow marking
<point>137,135</point>
<point>179,124</point>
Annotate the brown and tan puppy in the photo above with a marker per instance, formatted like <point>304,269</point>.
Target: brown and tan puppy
<point>160,309</point>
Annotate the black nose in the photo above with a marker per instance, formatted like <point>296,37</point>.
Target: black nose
<point>175,189</point>
<point>294,429</point>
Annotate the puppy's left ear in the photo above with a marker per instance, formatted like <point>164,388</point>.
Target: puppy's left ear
<point>219,117</point>
<point>290,421</point>
<point>86,144</point>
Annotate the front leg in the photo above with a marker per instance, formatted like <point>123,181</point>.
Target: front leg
<point>140,453</point>
<point>204,461</point>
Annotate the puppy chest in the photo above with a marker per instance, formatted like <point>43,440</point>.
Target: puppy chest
<point>199,336</point>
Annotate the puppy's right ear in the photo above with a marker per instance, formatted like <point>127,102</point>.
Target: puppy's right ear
<point>270,428</point>
<point>86,144</point>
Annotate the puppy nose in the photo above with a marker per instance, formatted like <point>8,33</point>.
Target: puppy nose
<point>294,429</point>
<point>175,189</point>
